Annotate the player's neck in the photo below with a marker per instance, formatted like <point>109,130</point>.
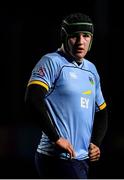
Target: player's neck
<point>64,52</point>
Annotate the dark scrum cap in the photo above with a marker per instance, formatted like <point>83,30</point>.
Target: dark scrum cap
<point>75,23</point>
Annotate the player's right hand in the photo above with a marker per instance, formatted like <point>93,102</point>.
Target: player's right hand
<point>64,144</point>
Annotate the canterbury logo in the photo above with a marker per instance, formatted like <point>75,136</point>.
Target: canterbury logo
<point>73,75</point>
<point>87,92</point>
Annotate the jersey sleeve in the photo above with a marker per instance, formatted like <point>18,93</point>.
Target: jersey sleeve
<point>99,99</point>
<point>44,73</point>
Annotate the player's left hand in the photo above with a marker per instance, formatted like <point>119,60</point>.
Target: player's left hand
<point>94,152</point>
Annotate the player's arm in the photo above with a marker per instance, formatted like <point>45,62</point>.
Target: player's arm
<point>34,99</point>
<point>100,126</point>
<point>98,133</point>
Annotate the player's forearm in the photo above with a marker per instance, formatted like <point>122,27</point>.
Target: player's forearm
<point>34,99</point>
<point>100,126</point>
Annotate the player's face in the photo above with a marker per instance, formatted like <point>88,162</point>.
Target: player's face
<point>78,45</point>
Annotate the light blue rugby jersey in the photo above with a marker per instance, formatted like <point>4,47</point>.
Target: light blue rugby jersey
<point>74,94</point>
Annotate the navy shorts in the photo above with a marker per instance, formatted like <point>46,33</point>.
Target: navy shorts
<point>54,168</point>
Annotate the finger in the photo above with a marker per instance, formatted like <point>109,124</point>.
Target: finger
<point>97,155</point>
<point>94,151</point>
<point>95,159</point>
<point>94,156</point>
<point>71,152</point>
<point>92,146</point>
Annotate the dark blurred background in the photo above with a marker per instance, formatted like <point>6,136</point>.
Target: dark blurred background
<point>28,32</point>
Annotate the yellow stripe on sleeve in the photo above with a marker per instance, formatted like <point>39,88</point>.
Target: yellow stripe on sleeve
<point>102,106</point>
<point>39,83</point>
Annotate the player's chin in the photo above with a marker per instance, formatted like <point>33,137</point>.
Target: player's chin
<point>79,56</point>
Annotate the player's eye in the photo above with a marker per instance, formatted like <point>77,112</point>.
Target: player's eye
<point>86,35</point>
<point>73,35</point>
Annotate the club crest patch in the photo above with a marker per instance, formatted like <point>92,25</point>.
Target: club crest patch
<point>91,80</point>
<point>41,71</point>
